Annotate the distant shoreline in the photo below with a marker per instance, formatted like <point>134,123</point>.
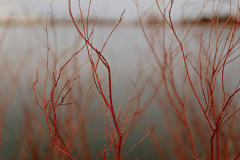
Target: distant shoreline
<point>40,21</point>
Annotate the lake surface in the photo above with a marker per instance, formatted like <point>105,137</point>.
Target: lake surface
<point>24,52</point>
<point>25,46</point>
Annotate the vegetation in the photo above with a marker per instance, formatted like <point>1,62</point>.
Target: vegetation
<point>185,93</point>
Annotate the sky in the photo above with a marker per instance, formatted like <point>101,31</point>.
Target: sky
<point>105,9</point>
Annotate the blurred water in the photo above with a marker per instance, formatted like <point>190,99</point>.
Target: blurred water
<point>26,46</point>
<point>126,51</point>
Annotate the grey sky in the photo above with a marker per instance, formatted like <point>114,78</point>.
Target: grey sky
<point>110,9</point>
